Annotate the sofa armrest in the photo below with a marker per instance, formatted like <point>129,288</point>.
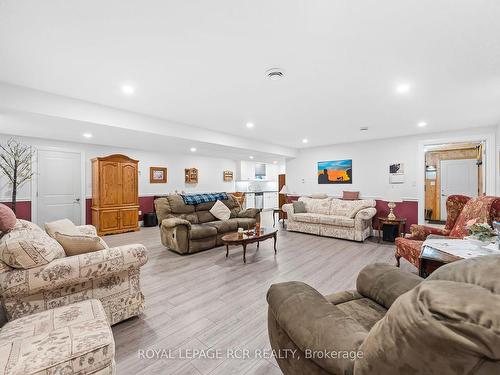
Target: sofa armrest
<point>87,229</point>
<point>172,222</point>
<point>313,323</point>
<point>384,283</point>
<point>251,213</point>
<point>420,232</point>
<point>366,214</point>
<point>72,270</point>
<point>288,208</point>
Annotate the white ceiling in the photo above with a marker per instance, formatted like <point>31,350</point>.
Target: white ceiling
<point>203,62</point>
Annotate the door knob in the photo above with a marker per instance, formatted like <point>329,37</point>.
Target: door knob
<point>77,200</point>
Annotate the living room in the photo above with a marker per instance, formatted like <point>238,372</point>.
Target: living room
<point>249,188</point>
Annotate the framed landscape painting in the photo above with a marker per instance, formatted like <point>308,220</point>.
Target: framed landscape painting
<point>335,172</point>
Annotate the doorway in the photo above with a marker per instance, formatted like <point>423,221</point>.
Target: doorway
<point>451,169</point>
<point>58,187</point>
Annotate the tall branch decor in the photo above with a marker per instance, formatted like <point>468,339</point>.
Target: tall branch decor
<point>15,163</point>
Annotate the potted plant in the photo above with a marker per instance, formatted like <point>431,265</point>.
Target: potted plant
<point>481,234</point>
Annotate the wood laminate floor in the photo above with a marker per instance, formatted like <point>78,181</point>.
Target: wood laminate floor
<point>204,300</point>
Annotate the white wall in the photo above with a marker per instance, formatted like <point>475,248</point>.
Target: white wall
<point>497,157</point>
<point>370,165</point>
<point>209,169</point>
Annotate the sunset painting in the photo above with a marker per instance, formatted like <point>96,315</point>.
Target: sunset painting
<point>335,172</point>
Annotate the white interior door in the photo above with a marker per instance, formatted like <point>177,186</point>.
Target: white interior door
<point>59,187</point>
<point>458,177</point>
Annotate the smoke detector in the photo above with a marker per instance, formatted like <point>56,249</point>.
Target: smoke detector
<point>275,74</point>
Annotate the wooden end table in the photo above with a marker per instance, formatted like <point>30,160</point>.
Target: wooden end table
<point>431,259</point>
<point>249,237</point>
<point>399,221</point>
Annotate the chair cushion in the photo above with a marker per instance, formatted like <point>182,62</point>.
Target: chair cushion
<point>71,339</point>
<point>246,222</point>
<point>483,209</point>
<point>224,226</point>
<point>364,310</point>
<point>220,211</point>
<point>340,221</point>
<point>199,231</point>
<point>307,218</point>
<point>27,246</point>
<point>317,206</point>
<point>80,244</point>
<point>7,218</point>
<point>63,226</point>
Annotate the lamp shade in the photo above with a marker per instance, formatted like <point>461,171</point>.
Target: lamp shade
<point>284,190</point>
<point>393,196</point>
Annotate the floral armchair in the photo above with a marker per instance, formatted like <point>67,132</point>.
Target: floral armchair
<point>460,209</point>
<point>45,278</point>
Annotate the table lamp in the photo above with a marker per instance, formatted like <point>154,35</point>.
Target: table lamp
<point>392,198</point>
<point>284,191</point>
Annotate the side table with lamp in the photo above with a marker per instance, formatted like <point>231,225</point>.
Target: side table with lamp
<point>392,198</point>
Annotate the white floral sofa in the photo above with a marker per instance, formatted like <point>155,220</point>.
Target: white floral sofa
<point>330,217</point>
<point>70,340</point>
<point>35,275</point>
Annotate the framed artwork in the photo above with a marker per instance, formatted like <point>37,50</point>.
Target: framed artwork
<point>335,172</point>
<point>157,175</point>
<point>228,175</point>
<point>396,173</point>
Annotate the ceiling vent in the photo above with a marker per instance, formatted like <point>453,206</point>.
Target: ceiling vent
<point>363,128</point>
<point>275,74</point>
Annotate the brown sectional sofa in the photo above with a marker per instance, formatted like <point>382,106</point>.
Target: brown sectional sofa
<point>191,228</point>
<point>393,323</point>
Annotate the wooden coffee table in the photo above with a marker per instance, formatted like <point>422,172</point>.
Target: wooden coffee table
<point>249,237</point>
<point>431,259</point>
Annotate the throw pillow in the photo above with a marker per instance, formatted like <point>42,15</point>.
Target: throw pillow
<point>7,218</point>
<point>350,195</point>
<point>64,226</point>
<point>299,207</point>
<point>25,248</point>
<point>220,211</point>
<point>80,244</point>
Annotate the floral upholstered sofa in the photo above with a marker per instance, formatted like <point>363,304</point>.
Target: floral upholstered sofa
<point>346,219</point>
<point>36,275</point>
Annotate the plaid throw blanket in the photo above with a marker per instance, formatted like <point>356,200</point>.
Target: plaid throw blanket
<point>193,199</point>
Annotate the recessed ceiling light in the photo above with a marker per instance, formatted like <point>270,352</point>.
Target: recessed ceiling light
<point>305,140</point>
<point>250,125</point>
<point>422,124</point>
<point>87,135</point>
<point>192,149</point>
<point>128,89</point>
<point>403,88</point>
<point>275,74</point>
<point>275,162</point>
<point>251,157</point>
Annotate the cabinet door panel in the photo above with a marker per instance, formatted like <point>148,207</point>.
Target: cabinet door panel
<point>109,220</point>
<point>129,183</point>
<point>110,184</point>
<point>129,217</point>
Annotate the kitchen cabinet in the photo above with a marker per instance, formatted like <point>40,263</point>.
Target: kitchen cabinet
<point>270,200</point>
<point>249,200</point>
<point>247,170</point>
<point>272,172</point>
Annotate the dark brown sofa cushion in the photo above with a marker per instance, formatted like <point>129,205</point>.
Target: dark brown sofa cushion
<point>246,223</point>
<point>205,216</point>
<point>200,231</point>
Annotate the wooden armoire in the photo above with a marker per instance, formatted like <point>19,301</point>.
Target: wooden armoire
<point>115,197</point>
